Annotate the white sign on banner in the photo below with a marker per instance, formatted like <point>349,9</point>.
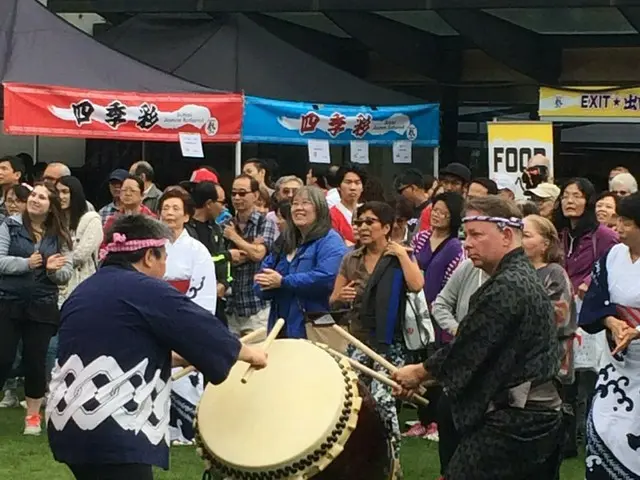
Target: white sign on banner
<point>512,144</point>
<point>319,151</point>
<point>191,145</point>
<point>359,151</point>
<point>402,151</point>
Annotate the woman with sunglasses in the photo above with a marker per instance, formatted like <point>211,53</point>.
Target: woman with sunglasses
<point>372,283</point>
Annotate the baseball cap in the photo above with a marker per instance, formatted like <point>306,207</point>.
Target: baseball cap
<point>505,182</point>
<point>203,175</point>
<point>544,190</point>
<point>457,170</point>
<point>119,174</point>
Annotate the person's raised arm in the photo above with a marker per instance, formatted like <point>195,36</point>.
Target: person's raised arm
<point>597,306</point>
<point>190,330</point>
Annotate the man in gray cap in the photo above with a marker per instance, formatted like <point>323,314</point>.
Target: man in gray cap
<point>115,183</point>
<point>455,177</point>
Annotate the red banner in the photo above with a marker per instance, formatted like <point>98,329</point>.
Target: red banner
<point>72,112</point>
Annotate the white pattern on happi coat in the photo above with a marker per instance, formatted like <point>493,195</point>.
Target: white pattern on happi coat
<point>614,421</point>
<point>101,390</point>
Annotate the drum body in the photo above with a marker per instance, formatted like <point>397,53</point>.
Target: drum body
<point>304,416</point>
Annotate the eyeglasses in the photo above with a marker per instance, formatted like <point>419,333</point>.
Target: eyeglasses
<point>402,188</point>
<point>302,204</point>
<point>620,193</point>
<point>439,213</point>
<point>572,196</point>
<point>367,221</point>
<point>240,193</point>
<point>289,191</point>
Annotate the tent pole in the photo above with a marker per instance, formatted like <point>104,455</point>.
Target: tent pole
<point>36,148</point>
<point>238,163</point>
<point>436,161</point>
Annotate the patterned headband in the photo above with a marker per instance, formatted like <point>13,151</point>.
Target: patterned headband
<point>501,222</point>
<point>121,244</point>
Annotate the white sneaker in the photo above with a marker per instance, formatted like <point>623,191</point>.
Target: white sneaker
<point>10,400</point>
<point>33,425</point>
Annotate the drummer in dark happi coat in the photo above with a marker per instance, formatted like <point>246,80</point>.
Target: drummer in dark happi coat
<point>498,372</point>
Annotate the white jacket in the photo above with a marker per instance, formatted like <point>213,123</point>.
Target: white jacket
<point>86,243</point>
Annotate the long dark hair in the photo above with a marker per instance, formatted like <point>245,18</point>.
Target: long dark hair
<point>77,202</point>
<point>54,224</point>
<point>292,236</point>
<point>588,221</point>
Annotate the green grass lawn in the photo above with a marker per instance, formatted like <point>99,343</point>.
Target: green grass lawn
<point>29,458</point>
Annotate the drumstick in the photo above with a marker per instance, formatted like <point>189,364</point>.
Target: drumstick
<point>376,357</point>
<point>267,343</point>
<point>376,375</point>
<point>249,337</point>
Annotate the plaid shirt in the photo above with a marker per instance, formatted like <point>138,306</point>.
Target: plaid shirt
<point>106,211</point>
<point>244,300</point>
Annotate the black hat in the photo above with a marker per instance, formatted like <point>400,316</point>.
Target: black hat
<point>457,170</point>
<point>119,175</point>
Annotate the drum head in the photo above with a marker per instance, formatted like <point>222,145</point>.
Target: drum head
<point>284,412</point>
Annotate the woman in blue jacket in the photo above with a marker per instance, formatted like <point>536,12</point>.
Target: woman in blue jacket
<point>298,275</point>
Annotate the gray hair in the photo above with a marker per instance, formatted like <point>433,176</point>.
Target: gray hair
<point>65,171</point>
<point>289,178</point>
<point>292,235</point>
<point>624,180</point>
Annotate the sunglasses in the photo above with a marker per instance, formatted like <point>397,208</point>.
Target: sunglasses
<point>367,221</point>
<point>241,193</point>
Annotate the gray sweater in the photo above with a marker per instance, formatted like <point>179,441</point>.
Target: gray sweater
<point>452,303</point>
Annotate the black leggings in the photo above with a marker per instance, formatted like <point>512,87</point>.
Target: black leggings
<point>35,343</point>
<point>130,471</point>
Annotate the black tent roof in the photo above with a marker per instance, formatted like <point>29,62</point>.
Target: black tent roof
<point>36,46</point>
<point>232,52</point>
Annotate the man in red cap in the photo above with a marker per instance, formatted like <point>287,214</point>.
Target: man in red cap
<point>203,175</point>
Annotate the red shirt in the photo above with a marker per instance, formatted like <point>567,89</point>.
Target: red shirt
<point>424,223</point>
<point>341,224</point>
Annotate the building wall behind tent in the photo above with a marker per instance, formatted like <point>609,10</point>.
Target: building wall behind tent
<point>68,150</point>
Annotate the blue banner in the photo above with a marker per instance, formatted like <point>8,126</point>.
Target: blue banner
<point>276,121</point>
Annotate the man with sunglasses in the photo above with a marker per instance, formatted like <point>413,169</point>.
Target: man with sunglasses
<point>417,189</point>
<point>286,189</point>
<point>249,236</point>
